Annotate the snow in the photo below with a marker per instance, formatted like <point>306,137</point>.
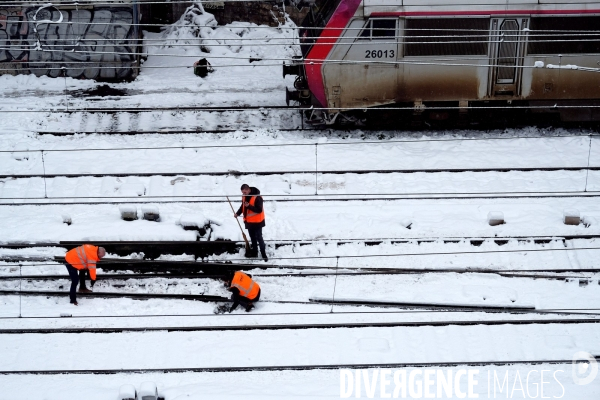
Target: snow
<point>148,389</point>
<point>423,220</point>
<point>127,392</point>
<point>495,218</point>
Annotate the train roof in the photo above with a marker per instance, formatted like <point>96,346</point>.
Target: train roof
<point>453,8</point>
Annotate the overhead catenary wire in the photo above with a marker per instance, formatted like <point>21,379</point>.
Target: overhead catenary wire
<point>448,63</point>
<point>310,144</point>
<point>175,26</point>
<point>86,3</point>
<point>61,4</point>
<point>319,41</point>
<point>323,197</point>
<point>347,272</point>
<point>423,196</point>
<point>123,109</point>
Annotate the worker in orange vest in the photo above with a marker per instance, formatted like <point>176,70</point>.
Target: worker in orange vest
<point>244,290</point>
<point>254,218</point>
<point>82,258</point>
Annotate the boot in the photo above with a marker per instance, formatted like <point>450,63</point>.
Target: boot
<point>252,253</point>
<point>84,290</point>
<point>74,303</point>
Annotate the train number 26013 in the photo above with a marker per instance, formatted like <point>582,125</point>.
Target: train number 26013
<point>380,54</point>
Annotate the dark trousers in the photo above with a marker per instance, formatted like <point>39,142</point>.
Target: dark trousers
<point>256,237</point>
<point>77,277</point>
<point>243,301</point>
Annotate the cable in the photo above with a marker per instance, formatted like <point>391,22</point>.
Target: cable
<point>120,4</point>
<point>310,60</point>
<point>135,3</point>
<point>548,311</point>
<point>313,197</point>
<point>169,42</point>
<point>447,196</point>
<point>310,144</point>
<point>392,255</point>
<point>422,254</point>
<point>184,25</point>
<point>306,109</point>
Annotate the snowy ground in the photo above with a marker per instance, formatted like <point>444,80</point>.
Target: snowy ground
<point>309,168</point>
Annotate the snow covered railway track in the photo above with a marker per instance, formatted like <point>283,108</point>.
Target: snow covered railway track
<point>291,173</point>
<point>154,249</point>
<point>556,274</point>
<point>133,119</point>
<point>274,327</point>
<point>305,367</point>
<point>140,109</point>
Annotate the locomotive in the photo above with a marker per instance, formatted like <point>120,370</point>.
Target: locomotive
<point>439,59</point>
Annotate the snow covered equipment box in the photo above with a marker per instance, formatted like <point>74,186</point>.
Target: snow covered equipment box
<point>128,212</point>
<point>66,218</point>
<point>202,67</point>
<point>148,391</point>
<point>571,217</point>
<point>151,213</point>
<point>127,392</point>
<point>195,222</point>
<point>495,218</point>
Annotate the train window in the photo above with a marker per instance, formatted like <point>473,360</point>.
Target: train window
<point>564,35</point>
<point>443,37</point>
<point>384,28</point>
<point>366,32</point>
<point>379,29</point>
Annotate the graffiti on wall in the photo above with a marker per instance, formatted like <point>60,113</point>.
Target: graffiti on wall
<point>91,42</point>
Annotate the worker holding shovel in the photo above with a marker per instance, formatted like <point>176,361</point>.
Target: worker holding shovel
<point>254,219</point>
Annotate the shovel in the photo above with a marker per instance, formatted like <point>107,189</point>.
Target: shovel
<point>243,234</point>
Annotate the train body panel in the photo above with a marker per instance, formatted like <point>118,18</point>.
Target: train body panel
<point>431,83</point>
<point>376,52</point>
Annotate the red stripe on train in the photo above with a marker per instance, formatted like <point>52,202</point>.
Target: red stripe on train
<point>320,50</point>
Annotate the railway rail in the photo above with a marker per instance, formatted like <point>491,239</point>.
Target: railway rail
<point>126,247</point>
<point>52,201</point>
<point>320,172</point>
<point>272,327</point>
<point>535,274</point>
<point>201,250</point>
<point>442,364</point>
<point>406,306</point>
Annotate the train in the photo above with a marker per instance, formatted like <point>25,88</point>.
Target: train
<point>436,60</point>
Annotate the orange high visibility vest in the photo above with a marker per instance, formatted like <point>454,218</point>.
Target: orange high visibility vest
<point>251,216</point>
<point>247,287</point>
<point>83,257</point>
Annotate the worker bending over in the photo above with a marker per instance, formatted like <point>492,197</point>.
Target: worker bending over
<point>82,258</point>
<point>244,290</point>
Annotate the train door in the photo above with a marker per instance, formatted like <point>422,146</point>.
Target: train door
<point>507,47</point>
<point>370,69</point>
